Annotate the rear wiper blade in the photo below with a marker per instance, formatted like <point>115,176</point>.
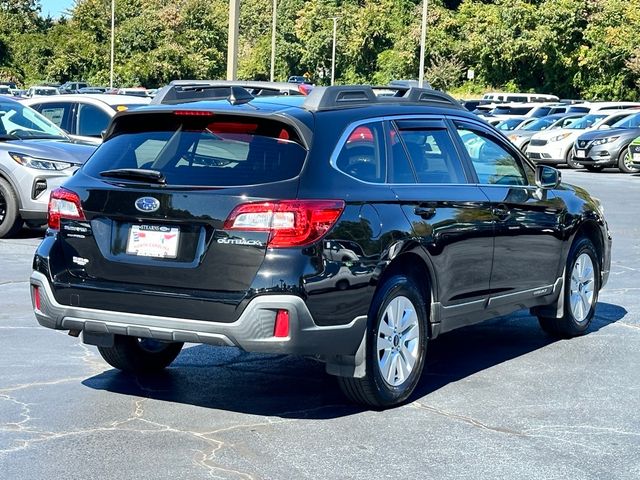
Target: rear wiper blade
<point>137,174</point>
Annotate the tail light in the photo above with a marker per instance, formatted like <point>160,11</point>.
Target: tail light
<point>64,203</point>
<point>291,223</point>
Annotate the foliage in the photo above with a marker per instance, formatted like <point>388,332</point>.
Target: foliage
<point>569,47</point>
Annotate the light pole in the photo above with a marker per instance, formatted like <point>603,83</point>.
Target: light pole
<point>423,39</point>
<point>232,44</point>
<point>113,37</point>
<point>273,40</point>
<point>333,52</point>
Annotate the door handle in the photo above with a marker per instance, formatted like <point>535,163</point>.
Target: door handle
<point>425,212</point>
<point>502,212</point>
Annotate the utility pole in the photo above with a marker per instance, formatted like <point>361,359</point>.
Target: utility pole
<point>273,40</point>
<point>333,53</point>
<point>423,39</point>
<point>113,39</point>
<point>232,45</point>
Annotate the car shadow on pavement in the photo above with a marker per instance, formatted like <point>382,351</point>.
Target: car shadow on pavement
<point>293,387</point>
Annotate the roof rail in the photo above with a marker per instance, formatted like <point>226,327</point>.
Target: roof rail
<point>349,96</point>
<point>184,91</point>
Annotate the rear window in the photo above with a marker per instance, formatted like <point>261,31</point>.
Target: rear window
<point>202,150</point>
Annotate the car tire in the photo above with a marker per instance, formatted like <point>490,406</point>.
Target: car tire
<point>624,162</point>
<point>140,355</point>
<point>594,168</point>
<point>581,287</point>
<point>10,220</point>
<point>394,359</point>
<point>570,160</point>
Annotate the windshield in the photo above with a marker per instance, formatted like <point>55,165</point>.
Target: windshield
<point>585,122</point>
<point>509,124</point>
<point>538,125</point>
<point>628,122</point>
<point>23,122</point>
<point>196,150</point>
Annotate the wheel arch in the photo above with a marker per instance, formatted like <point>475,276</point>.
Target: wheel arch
<point>416,265</point>
<point>9,180</point>
<point>592,231</point>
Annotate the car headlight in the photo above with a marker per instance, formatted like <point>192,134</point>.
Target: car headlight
<point>602,141</point>
<point>557,138</point>
<point>39,163</point>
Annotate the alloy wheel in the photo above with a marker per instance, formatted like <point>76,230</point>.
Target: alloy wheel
<point>582,287</point>
<point>398,341</point>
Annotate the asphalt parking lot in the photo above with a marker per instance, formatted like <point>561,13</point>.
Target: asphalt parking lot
<point>498,400</point>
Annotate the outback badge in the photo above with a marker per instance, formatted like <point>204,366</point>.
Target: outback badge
<point>147,204</point>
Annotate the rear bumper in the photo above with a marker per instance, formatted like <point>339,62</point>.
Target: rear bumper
<point>253,331</point>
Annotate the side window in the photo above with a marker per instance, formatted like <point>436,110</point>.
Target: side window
<point>400,169</point>
<point>492,163</point>
<point>363,155</point>
<point>58,113</point>
<point>431,152</point>
<point>91,120</point>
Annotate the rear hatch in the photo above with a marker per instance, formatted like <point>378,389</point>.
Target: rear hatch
<point>155,197</point>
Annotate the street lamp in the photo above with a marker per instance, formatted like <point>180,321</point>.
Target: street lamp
<point>113,36</point>
<point>423,38</point>
<point>333,52</point>
<point>273,39</point>
<point>232,44</point>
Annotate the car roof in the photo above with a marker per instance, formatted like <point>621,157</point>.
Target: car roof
<point>111,100</point>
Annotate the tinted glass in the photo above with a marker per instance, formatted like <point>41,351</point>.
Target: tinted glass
<point>58,113</point>
<point>91,120</point>
<point>492,163</point>
<point>400,169</point>
<point>507,110</point>
<point>629,122</point>
<point>24,122</point>
<point>198,150</point>
<point>362,156</point>
<point>509,124</point>
<point>432,153</point>
<point>538,125</point>
<point>586,122</point>
<point>541,112</point>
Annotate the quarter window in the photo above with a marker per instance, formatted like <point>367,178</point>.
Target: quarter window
<point>363,155</point>
<point>91,120</point>
<point>492,163</point>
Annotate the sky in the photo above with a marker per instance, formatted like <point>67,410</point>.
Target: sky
<point>55,8</point>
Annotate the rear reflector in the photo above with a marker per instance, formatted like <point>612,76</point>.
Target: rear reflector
<point>36,297</point>
<point>291,223</point>
<point>64,203</point>
<point>281,328</point>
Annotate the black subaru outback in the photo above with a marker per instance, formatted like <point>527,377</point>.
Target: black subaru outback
<point>347,226</point>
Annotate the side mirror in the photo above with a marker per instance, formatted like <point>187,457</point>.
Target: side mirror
<point>604,126</point>
<point>547,177</point>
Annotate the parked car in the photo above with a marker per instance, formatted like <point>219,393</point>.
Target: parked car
<point>519,97</point>
<point>526,110</point>
<point>133,92</point>
<point>521,136</point>
<point>42,91</point>
<point>93,90</point>
<point>208,222</point>
<point>298,79</point>
<point>84,116</point>
<point>556,146</point>
<point>634,152</point>
<point>35,158</point>
<point>599,106</point>
<point>5,90</point>
<point>610,147</point>
<point>72,87</point>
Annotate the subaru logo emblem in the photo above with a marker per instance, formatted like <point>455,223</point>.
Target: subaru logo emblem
<point>147,204</point>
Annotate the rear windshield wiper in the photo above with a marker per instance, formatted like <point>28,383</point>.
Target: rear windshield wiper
<point>136,174</point>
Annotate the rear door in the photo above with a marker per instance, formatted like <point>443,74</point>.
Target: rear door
<point>142,235</point>
<point>528,236</point>
<point>60,113</point>
<point>451,217</point>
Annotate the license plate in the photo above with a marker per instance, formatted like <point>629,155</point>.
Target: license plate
<point>153,241</point>
<point>636,157</point>
<point>581,153</point>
